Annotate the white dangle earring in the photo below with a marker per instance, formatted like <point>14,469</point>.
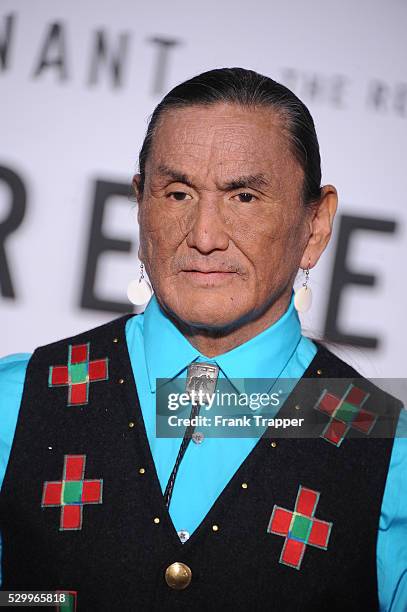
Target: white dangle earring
<point>303,297</point>
<point>139,291</point>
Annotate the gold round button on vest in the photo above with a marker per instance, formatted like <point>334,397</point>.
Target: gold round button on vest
<point>178,575</point>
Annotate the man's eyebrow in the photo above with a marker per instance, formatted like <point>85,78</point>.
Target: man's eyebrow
<point>177,177</point>
<point>251,181</point>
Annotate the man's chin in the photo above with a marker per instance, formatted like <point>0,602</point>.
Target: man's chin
<point>207,315</point>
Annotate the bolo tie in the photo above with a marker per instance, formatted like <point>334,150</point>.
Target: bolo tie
<point>201,382</point>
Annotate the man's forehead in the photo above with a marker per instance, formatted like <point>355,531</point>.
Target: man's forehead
<point>235,139</point>
<point>209,126</point>
<point>227,171</point>
<point>223,144</point>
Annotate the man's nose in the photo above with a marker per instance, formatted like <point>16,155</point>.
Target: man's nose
<point>208,232</point>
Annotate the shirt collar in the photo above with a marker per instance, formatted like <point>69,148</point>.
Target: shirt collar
<point>168,352</point>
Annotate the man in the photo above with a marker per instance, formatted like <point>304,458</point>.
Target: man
<point>230,206</point>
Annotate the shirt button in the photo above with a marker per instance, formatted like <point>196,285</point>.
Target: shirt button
<point>198,437</point>
<point>183,535</point>
<point>178,575</point>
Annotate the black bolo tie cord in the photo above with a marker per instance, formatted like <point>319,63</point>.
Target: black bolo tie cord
<point>184,445</point>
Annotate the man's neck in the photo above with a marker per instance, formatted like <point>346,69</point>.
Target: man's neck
<point>212,341</point>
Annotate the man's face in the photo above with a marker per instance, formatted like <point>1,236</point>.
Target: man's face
<point>222,225</point>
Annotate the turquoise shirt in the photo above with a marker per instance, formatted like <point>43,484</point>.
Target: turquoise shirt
<point>158,350</point>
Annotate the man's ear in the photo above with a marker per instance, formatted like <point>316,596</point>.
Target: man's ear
<point>136,182</point>
<point>320,225</point>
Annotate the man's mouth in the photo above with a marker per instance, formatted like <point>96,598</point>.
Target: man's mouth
<point>207,277</point>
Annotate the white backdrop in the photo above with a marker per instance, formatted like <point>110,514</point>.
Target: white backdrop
<point>77,84</point>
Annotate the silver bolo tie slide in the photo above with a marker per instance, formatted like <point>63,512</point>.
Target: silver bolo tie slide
<point>201,383</point>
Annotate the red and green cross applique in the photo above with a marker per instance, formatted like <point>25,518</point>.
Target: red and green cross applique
<point>344,413</point>
<point>299,527</point>
<point>72,492</point>
<point>78,373</point>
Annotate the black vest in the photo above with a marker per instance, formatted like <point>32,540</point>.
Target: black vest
<point>114,549</point>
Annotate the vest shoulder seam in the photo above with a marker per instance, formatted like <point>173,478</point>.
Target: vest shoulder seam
<point>79,337</point>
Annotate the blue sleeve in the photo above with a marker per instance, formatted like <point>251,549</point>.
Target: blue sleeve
<point>392,536</point>
<point>12,376</point>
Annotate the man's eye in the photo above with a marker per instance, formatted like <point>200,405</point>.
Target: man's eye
<point>179,196</point>
<point>246,197</point>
